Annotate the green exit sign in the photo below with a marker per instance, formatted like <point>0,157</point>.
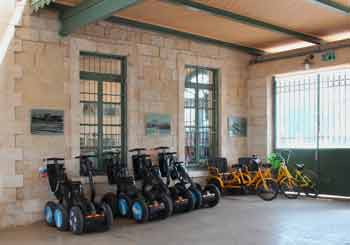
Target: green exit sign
<point>328,56</point>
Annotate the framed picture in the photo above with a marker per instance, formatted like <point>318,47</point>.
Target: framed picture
<point>47,122</point>
<point>237,126</point>
<point>158,124</point>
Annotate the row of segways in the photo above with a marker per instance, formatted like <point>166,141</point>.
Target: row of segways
<point>153,192</point>
<point>162,190</point>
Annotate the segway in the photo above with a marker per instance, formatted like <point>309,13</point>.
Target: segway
<point>184,199</point>
<point>156,199</point>
<point>74,211</point>
<point>126,190</point>
<point>170,167</point>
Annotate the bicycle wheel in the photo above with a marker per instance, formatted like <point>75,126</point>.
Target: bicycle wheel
<point>289,188</point>
<point>311,180</point>
<point>270,192</point>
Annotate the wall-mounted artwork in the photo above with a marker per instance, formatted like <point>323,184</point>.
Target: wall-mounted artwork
<point>158,124</point>
<point>47,122</point>
<point>237,126</point>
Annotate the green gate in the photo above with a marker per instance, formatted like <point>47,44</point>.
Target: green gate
<point>312,118</point>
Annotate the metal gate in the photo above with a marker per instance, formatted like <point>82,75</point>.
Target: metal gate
<point>312,117</point>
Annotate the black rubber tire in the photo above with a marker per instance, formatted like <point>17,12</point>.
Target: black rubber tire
<point>107,211</point>
<point>168,206</point>
<point>198,197</point>
<point>289,188</point>
<point>216,183</point>
<point>271,194</point>
<point>212,189</point>
<point>191,200</point>
<point>111,199</point>
<point>145,212</point>
<point>65,224</point>
<point>50,207</point>
<point>129,202</point>
<point>313,190</point>
<point>76,220</point>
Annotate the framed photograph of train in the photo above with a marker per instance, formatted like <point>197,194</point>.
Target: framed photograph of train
<point>47,122</point>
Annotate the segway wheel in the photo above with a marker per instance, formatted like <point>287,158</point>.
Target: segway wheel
<point>107,211</point>
<point>212,190</point>
<point>189,195</point>
<point>216,183</point>
<point>111,199</point>
<point>61,218</point>
<point>49,211</point>
<point>198,199</point>
<point>123,205</point>
<point>168,206</point>
<point>139,211</point>
<point>76,220</point>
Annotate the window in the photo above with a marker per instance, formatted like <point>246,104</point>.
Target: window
<point>102,105</point>
<point>200,115</point>
<point>313,110</point>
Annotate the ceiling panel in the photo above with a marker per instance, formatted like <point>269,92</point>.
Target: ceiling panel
<point>190,20</point>
<point>300,15</point>
<point>344,2</point>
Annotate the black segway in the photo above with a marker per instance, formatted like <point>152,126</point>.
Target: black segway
<point>209,196</point>
<point>126,191</point>
<point>184,197</point>
<point>74,211</point>
<point>156,199</point>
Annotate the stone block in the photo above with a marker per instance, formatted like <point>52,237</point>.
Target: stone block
<point>11,181</point>
<point>148,50</point>
<point>27,34</point>
<point>49,36</point>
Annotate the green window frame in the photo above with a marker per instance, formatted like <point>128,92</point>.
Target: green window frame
<point>103,106</point>
<point>201,115</point>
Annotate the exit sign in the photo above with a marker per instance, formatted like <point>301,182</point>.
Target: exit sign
<point>328,55</point>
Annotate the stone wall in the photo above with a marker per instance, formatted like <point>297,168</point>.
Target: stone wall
<point>42,71</point>
<point>260,119</point>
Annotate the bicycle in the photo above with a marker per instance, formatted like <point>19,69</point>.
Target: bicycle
<point>305,181</point>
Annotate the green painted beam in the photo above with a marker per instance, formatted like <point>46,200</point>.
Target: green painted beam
<point>161,29</point>
<point>334,5</point>
<point>89,11</point>
<point>248,21</point>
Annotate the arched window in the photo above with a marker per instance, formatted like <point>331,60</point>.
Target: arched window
<point>200,115</point>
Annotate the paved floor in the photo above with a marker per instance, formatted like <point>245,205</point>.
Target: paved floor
<point>237,220</point>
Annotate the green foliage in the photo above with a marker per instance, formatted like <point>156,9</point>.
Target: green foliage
<point>274,160</point>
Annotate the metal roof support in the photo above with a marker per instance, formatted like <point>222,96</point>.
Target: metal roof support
<point>89,11</point>
<point>334,5</point>
<point>247,20</point>
<point>161,29</point>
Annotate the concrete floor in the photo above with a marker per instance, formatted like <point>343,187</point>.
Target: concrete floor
<point>237,220</point>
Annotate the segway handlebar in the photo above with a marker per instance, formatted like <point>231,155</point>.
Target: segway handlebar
<point>161,148</point>
<point>84,156</point>
<point>53,159</point>
<point>138,150</point>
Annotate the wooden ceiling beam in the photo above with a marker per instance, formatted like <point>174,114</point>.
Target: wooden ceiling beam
<point>248,21</point>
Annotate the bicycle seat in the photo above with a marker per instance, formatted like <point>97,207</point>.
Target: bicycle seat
<point>300,166</point>
<point>266,165</point>
<point>237,166</point>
